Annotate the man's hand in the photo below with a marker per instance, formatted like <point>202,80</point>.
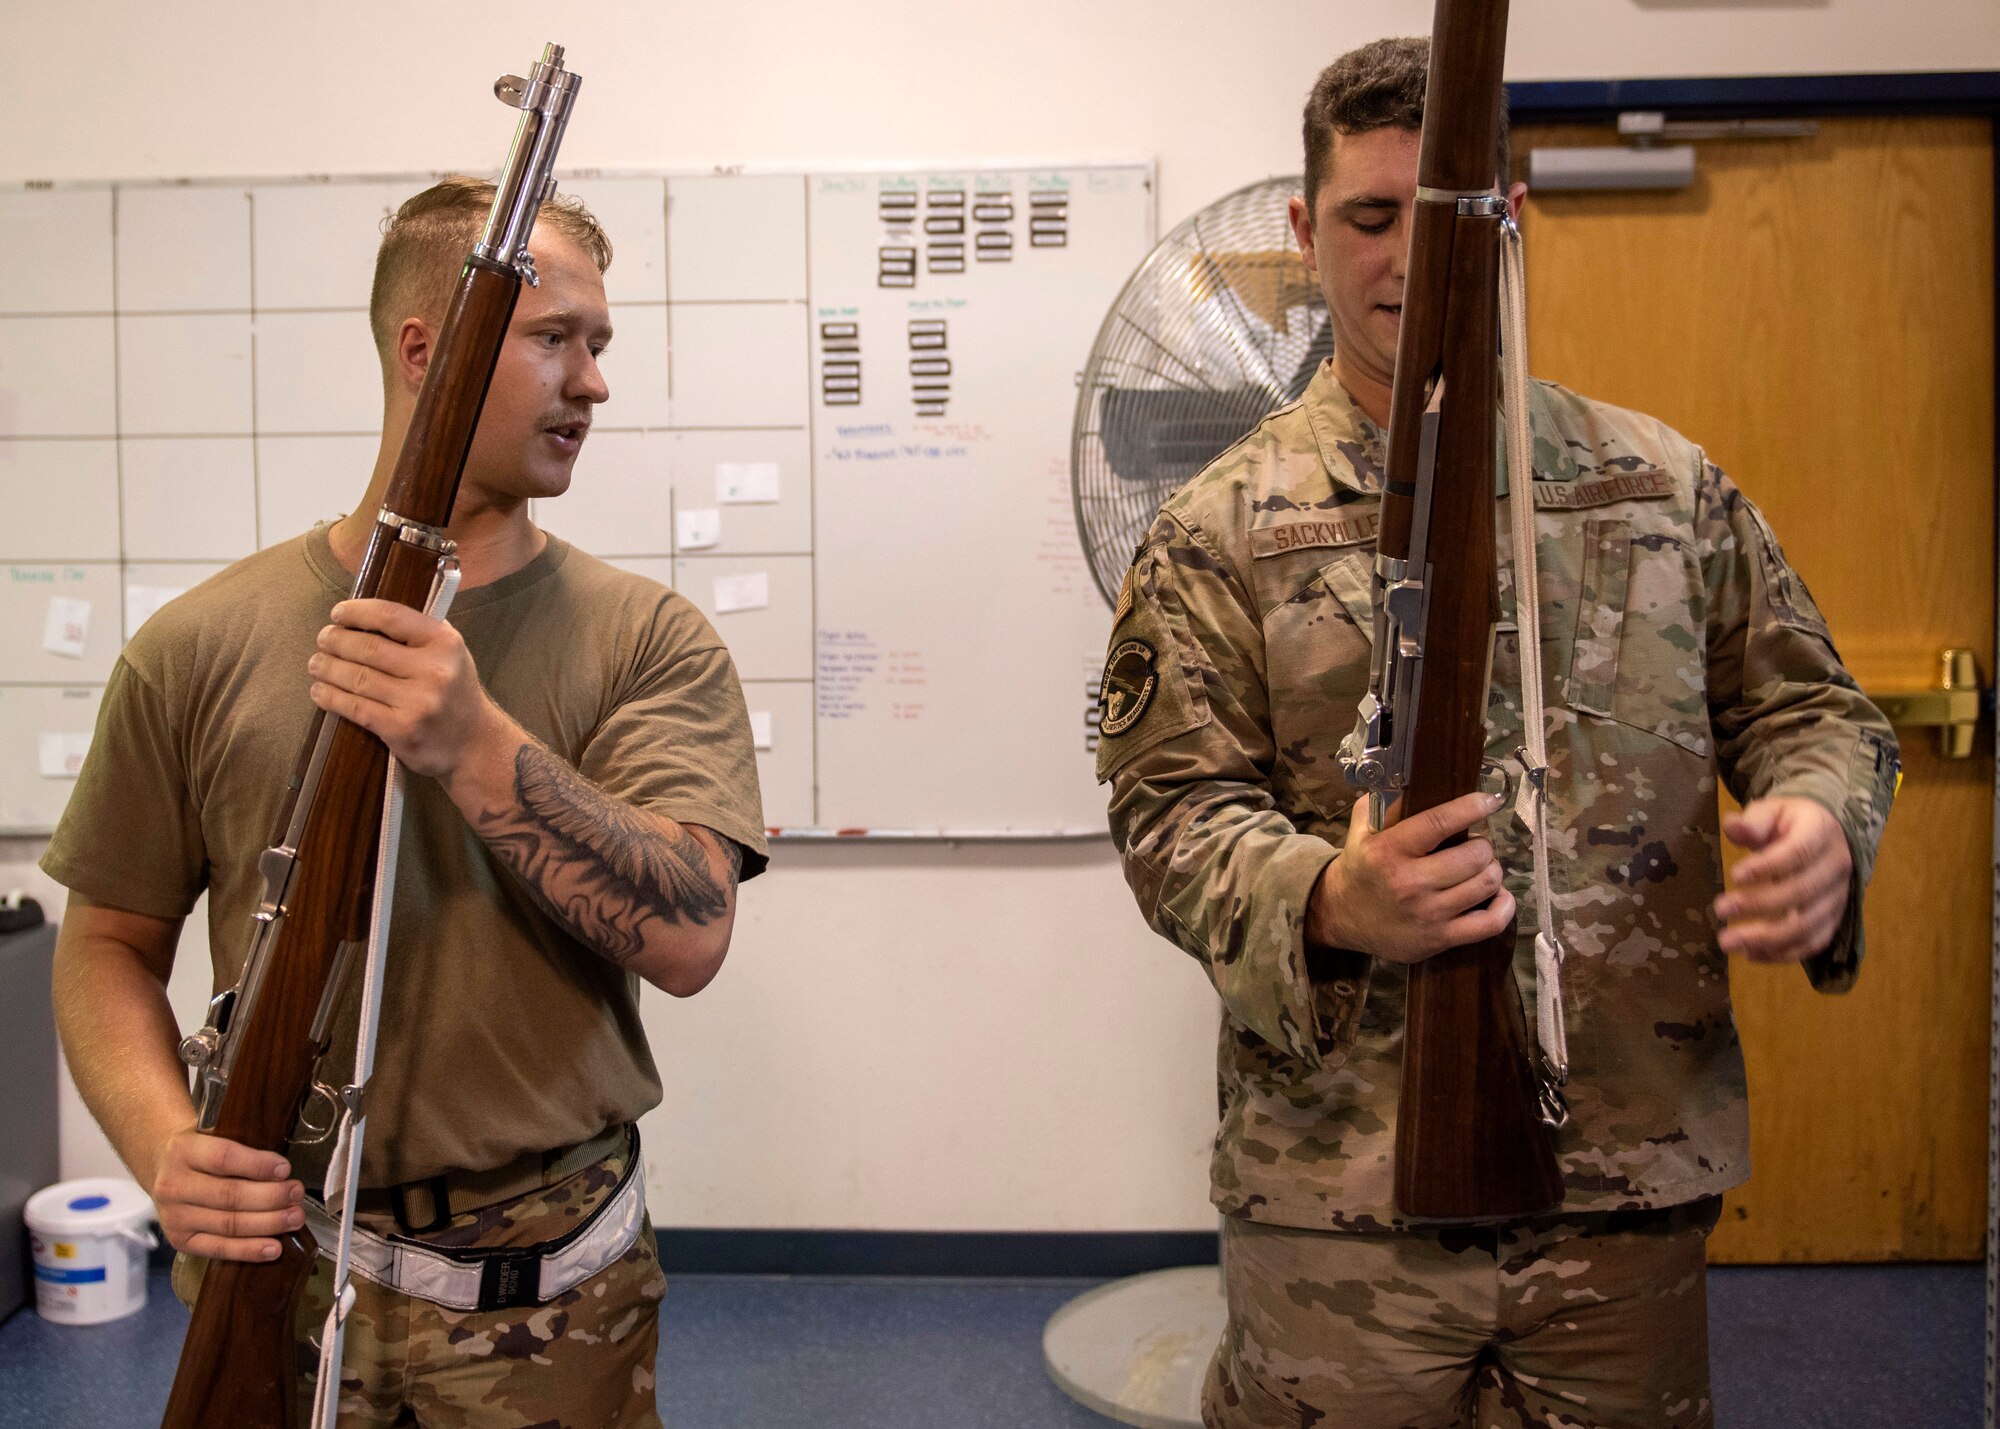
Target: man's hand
<point>1789,895</point>
<point>223,1200</point>
<point>1391,894</point>
<point>405,678</point>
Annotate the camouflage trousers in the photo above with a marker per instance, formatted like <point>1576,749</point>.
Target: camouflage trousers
<point>1576,1322</point>
<point>584,1360</point>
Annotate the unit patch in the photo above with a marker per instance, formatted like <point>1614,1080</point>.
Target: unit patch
<point>1129,681</point>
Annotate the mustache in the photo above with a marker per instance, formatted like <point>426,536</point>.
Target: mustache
<point>580,418</point>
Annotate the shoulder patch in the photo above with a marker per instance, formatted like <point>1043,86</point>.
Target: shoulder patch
<point>1147,695</point>
<point>1131,676</point>
<point>1602,491</point>
<point>1298,535</point>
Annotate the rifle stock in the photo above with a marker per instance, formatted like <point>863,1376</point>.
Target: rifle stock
<point>225,1378</point>
<point>1470,1143</point>
<point>238,1365</point>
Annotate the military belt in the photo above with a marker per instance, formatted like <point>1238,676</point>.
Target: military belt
<point>436,1199</point>
<point>498,1277</point>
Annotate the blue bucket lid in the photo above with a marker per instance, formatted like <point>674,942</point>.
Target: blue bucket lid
<point>90,1205</point>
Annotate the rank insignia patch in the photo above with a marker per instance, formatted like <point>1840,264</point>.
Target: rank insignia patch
<point>1129,682</point>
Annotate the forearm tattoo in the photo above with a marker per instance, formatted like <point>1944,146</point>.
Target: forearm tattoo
<point>598,866</point>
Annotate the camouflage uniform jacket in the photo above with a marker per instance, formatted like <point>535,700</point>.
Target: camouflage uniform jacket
<point>1678,646</point>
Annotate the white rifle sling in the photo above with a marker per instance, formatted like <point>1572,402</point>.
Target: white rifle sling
<point>1532,800</point>
<point>343,1172</point>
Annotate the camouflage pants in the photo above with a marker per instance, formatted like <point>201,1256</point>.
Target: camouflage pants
<point>582,1361</point>
<point>1578,1322</point>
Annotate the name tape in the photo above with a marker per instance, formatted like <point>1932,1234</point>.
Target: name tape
<point>1299,535</point>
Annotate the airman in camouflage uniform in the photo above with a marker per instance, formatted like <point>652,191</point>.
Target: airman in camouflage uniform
<point>1679,649</point>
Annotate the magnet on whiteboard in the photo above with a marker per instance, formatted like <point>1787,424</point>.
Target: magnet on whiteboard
<point>742,483</point>
<point>733,593</point>
<point>59,755</point>
<point>142,603</point>
<point>66,630</point>
<point>698,530</point>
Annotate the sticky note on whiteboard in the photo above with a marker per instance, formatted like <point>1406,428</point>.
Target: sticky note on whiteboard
<point>698,530</point>
<point>60,754</point>
<point>742,483</point>
<point>66,629</point>
<point>760,728</point>
<point>142,603</point>
<point>748,592</point>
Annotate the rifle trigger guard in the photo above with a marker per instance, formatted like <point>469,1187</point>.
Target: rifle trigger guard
<point>321,1093</point>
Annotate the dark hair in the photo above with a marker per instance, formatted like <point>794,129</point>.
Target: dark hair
<point>426,240</point>
<point>1379,86</point>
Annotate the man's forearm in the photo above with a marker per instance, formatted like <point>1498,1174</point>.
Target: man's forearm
<point>650,894</point>
<point>119,1038</point>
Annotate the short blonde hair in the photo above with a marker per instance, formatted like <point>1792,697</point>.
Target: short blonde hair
<point>424,244</point>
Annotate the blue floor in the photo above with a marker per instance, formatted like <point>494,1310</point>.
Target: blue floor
<point>1858,1347</point>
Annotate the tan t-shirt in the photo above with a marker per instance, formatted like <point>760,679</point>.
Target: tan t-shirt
<point>500,1032</point>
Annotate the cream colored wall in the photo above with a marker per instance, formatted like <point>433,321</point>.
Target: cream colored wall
<point>906,1037</point>
<point>123,89</point>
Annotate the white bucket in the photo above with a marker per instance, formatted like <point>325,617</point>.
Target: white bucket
<point>90,1240</point>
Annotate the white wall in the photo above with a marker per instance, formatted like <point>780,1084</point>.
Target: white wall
<point>124,89</point>
<point>932,1037</point>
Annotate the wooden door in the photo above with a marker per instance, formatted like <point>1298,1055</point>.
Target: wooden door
<point>1818,314</point>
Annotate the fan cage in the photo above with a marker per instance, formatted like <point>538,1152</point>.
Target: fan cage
<point>1219,326</point>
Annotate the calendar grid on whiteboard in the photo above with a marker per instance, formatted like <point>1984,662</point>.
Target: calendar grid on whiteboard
<point>174,377</point>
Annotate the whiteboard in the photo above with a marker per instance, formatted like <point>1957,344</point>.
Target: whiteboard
<point>839,424</point>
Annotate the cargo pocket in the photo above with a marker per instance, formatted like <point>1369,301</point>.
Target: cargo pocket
<point>1316,648</point>
<point>1600,617</point>
<point>1637,656</point>
<point>1351,579</point>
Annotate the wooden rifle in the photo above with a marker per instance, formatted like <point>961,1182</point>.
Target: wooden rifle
<point>1470,1138</point>
<point>255,1062</point>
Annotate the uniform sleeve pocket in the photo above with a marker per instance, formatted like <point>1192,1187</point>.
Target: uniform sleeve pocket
<point>1145,697</point>
<point>1791,603</point>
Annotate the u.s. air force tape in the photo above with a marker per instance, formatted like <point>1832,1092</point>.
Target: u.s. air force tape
<point>1129,681</point>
